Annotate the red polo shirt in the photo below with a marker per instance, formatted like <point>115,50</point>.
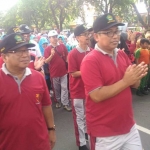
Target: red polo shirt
<point>22,124</point>
<point>57,65</point>
<point>113,116</point>
<point>76,85</point>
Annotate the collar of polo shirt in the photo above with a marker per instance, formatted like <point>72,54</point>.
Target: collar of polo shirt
<point>4,69</point>
<point>105,53</point>
<point>81,50</point>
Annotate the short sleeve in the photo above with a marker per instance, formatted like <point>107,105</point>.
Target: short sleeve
<point>91,74</point>
<point>72,63</point>
<point>137,53</point>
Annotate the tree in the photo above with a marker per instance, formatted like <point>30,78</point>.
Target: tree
<point>34,12</point>
<point>58,13</point>
<point>62,11</point>
<point>120,8</point>
<point>41,13</point>
<point>10,18</point>
<point>107,6</point>
<point>28,12</point>
<point>144,22</point>
<point>1,20</point>
<point>125,9</point>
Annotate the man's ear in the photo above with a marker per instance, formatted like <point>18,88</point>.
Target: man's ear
<point>4,57</point>
<point>77,38</point>
<point>96,37</point>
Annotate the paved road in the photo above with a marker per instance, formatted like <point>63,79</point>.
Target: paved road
<point>141,107</point>
<point>65,130</point>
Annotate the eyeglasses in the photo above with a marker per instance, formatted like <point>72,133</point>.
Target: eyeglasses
<point>84,34</point>
<point>19,52</point>
<point>111,33</point>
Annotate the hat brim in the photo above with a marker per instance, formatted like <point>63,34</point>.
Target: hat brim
<point>26,32</point>
<point>90,29</point>
<point>112,25</point>
<point>28,45</point>
<point>87,30</point>
<point>53,35</point>
<point>81,32</point>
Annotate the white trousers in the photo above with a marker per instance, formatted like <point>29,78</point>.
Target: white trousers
<point>79,121</point>
<point>60,86</point>
<point>129,141</point>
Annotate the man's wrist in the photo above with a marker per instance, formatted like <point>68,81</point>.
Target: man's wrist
<point>124,83</point>
<point>136,85</point>
<point>38,69</point>
<point>51,128</point>
<point>51,55</point>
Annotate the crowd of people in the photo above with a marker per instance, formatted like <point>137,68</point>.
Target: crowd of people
<point>91,74</point>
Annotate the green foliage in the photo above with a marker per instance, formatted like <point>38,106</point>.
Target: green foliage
<point>34,12</point>
<point>40,13</point>
<point>107,6</point>
<point>47,14</point>
<point>9,18</point>
<point>125,9</point>
<point>30,12</point>
<point>63,11</point>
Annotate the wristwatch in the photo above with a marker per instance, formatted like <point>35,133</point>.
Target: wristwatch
<point>51,128</point>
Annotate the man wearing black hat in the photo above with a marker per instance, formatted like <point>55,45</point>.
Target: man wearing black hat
<point>76,87</point>
<point>10,31</point>
<point>108,75</point>
<point>35,52</point>
<point>26,31</point>
<point>14,29</point>
<point>35,62</point>
<point>26,118</point>
<point>92,41</point>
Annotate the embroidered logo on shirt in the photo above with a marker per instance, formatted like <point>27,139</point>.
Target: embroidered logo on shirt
<point>37,98</point>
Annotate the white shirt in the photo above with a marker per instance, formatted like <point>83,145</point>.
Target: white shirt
<point>35,50</point>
